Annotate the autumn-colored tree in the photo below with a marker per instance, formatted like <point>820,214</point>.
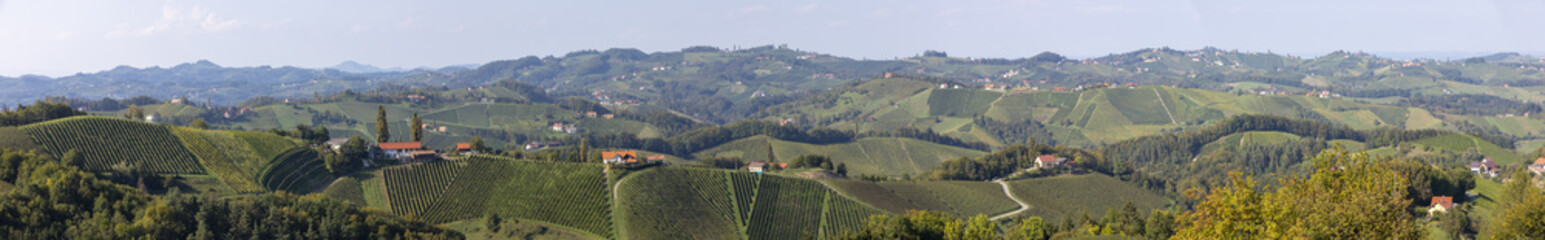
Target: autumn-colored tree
<point>1347,197</point>
<point>1031,228</point>
<point>1521,211</point>
<point>980,228</point>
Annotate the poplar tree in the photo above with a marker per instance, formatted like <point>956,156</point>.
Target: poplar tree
<point>418,128</point>
<point>382,134</point>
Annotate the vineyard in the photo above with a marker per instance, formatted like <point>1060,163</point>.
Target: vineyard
<point>566,194</point>
<point>787,208</point>
<point>265,145</point>
<point>105,142</point>
<point>677,203</point>
<point>962,198</point>
<point>1064,196</point>
<point>413,188</point>
<point>744,186</point>
<point>298,170</point>
<point>226,157</point>
<point>466,196</point>
<point>688,203</point>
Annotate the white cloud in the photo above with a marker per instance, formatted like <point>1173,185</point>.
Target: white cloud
<point>174,18</point>
<point>755,8</point>
<point>808,7</point>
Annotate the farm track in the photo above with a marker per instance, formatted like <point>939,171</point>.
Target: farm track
<point>911,160</point>
<point>1006,191</point>
<point>1166,107</point>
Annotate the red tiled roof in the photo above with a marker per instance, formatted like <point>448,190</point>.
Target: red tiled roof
<point>401,145</point>
<point>1446,202</point>
<point>622,154</point>
<point>1047,159</point>
<point>463,146</point>
<point>656,157</point>
<point>1539,161</point>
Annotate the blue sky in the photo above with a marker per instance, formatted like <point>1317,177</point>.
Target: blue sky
<point>62,37</point>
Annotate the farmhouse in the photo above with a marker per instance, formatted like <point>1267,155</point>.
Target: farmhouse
<point>337,143</point>
<point>1485,167</point>
<point>1538,167</point>
<point>619,157</point>
<point>423,155</point>
<point>757,167</point>
<point>464,148</point>
<point>1048,161</point>
<point>1441,204</point>
<point>399,150</point>
<point>655,158</point>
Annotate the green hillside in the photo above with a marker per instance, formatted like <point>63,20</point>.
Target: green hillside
<point>1461,143</point>
<point>105,142</point>
<point>884,156</point>
<point>1065,196</point>
<point>565,194</point>
<point>1086,117</point>
<point>962,198</point>
<point>684,203</point>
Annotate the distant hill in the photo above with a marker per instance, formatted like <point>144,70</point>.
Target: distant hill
<point>356,67</point>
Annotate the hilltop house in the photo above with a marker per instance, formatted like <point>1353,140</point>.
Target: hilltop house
<point>1538,167</point>
<point>1485,167</point>
<point>655,158</point>
<point>1441,204</point>
<point>757,167</point>
<point>399,150</point>
<point>1048,161</point>
<point>619,157</point>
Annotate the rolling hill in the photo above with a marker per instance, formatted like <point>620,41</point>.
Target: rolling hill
<point>240,161</point>
<point>875,155</point>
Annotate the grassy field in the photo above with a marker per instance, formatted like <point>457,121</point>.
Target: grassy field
<point>348,189</point>
<point>1065,196</point>
<point>1460,143</point>
<point>962,198</point>
<point>1238,140</point>
<point>888,156</point>
<point>961,102</point>
<point>15,138</point>
<point>105,142</point>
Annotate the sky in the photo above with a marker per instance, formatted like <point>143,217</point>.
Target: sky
<point>64,37</point>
